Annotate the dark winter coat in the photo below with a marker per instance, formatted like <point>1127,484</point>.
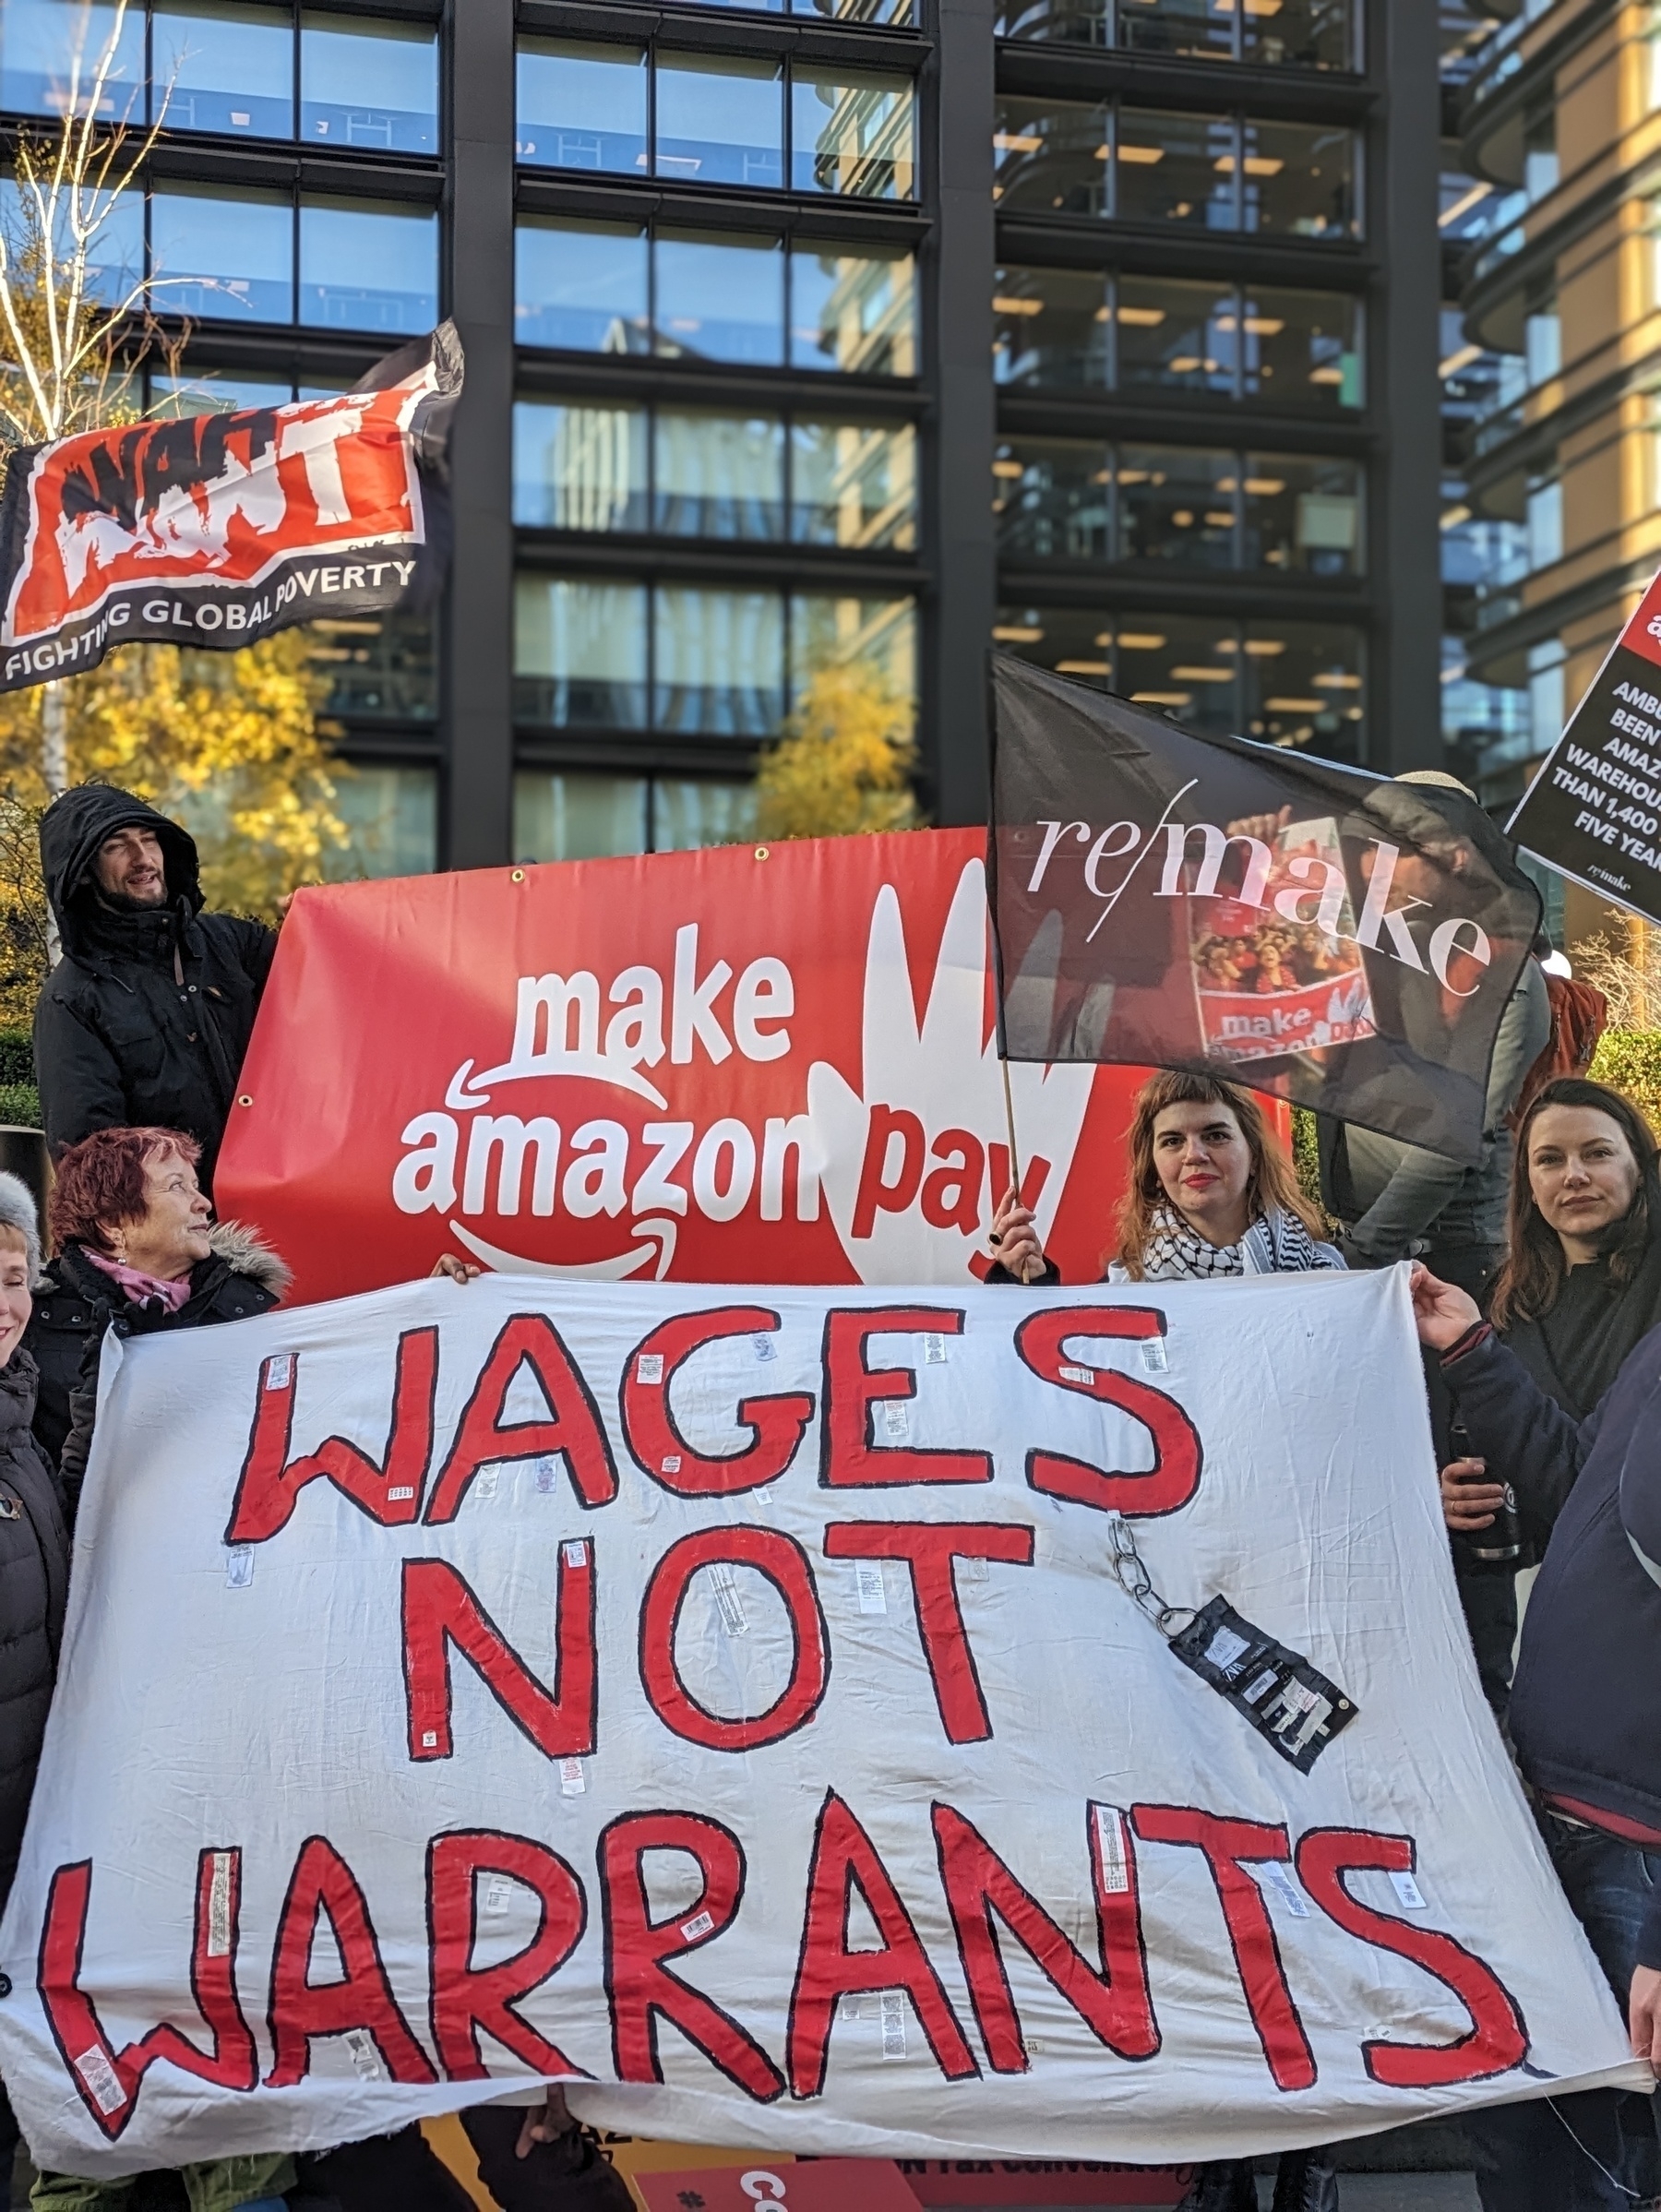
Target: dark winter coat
<point>76,1303</point>
<point>145,1019</point>
<point>34,1580</point>
<point>1586,1708</point>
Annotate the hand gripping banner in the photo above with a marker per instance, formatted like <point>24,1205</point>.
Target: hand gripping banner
<point>224,528</point>
<point>1329,936</point>
<point>857,1721</point>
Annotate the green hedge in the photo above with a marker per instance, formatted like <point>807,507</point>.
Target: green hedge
<point>20,1097</point>
<point>1629,1060</point>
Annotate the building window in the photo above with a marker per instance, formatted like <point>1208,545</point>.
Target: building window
<point>717,474</point>
<point>1184,507</point>
<point>580,465</point>
<point>225,68</point>
<point>716,295</point>
<point>1301,515</point>
<point>583,287</point>
<point>720,120</point>
<point>1293,684</point>
<point>584,106</point>
<point>1053,498</point>
<point>701,661</point>
<point>1176,336</point>
<point>381,668</point>
<point>854,484</point>
<point>364,266</point>
<point>581,655</point>
<point>364,83</point>
<point>1307,34</point>
<point>1050,327</point>
<point>719,296</point>
<point>1064,329</point>
<point>391,818</point>
<point>1159,167</point>
<point>716,119</point>
<point>228,67</point>
<point>49,54</point>
<point>1544,520</point>
<point>718,666</point>
<point>221,255</point>
<point>565,813</point>
<point>703,472</point>
<point>852,133</point>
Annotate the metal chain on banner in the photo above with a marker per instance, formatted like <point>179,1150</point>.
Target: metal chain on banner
<point>1130,1573</point>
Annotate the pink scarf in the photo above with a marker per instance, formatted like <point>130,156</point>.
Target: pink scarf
<point>139,1285</point>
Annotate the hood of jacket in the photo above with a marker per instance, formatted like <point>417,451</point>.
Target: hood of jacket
<point>244,1252</point>
<point>19,1380</point>
<point>73,828</point>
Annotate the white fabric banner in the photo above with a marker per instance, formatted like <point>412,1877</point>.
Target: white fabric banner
<point>727,1696</point>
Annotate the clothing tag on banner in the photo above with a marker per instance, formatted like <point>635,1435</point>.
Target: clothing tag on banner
<point>1283,1695</point>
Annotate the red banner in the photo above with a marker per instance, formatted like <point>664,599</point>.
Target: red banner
<point>741,1065</point>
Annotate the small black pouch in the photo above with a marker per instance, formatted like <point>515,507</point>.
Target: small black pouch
<point>1287,1699</point>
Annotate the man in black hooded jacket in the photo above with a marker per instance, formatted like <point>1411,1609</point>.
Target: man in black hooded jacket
<point>144,1019</point>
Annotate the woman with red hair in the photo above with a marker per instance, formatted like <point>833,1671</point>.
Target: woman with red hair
<point>136,1249</point>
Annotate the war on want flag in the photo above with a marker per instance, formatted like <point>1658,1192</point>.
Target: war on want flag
<point>1330,937</point>
<point>221,529</point>
<point>1593,810</point>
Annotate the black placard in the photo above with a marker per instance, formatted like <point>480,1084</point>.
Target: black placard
<point>1593,812</point>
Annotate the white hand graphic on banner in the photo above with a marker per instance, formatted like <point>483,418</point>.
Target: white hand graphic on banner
<point>916,1160</point>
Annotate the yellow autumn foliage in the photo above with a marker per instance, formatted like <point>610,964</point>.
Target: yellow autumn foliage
<point>845,765</point>
<point>227,743</point>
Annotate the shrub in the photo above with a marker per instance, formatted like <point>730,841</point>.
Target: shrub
<point>1629,1060</point>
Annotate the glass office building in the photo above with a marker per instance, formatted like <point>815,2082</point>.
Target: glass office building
<point>816,333</point>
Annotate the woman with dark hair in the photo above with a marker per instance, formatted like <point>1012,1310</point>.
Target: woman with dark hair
<point>1582,1280</point>
<point>1210,1192</point>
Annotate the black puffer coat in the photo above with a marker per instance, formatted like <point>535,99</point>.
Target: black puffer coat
<point>75,1303</point>
<point>147,1017</point>
<point>34,1580</point>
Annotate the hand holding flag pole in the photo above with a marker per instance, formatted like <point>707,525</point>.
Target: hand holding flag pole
<point>1029,1264</point>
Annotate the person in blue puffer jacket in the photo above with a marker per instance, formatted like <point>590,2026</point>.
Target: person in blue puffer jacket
<point>1585,1721</point>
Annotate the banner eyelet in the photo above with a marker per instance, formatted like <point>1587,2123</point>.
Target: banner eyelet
<point>518,876</point>
<point>762,852</point>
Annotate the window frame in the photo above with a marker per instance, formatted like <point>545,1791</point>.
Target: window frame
<point>786,415</point>
<point>663,40</point>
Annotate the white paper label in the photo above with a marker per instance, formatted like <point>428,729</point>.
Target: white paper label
<point>239,1566</point>
<point>763,1346</point>
<point>400,1493</point>
<point>1110,1835</point>
<point>547,1471</point>
<point>1225,1648</point>
<point>699,1924</point>
<point>976,1570</point>
<point>98,2073</point>
<point>649,1368</point>
<point>896,1421</point>
<point>496,1897</point>
<point>1077,1374</point>
<point>429,1740</point>
<point>487,1483</point>
<point>893,2023</point>
<point>572,1780</point>
<point>575,1551</point>
<point>867,1580</point>
<point>219,1907</point>
<point>728,1603</point>
<point>279,1370</point>
<point>1409,1891</point>
<point>365,2057</point>
<point>671,1464</point>
<point>934,1349</point>
<point>1153,1354</point>
<point>1286,1889</point>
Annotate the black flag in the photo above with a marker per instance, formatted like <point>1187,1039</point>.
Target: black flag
<point>1320,933</point>
<point>219,528</point>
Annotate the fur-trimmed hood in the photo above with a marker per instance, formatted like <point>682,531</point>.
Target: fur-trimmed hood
<point>244,1252</point>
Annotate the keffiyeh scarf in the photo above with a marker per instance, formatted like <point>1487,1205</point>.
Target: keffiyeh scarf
<point>1276,1244</point>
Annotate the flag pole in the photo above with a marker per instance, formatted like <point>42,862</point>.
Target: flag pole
<point>1014,1147</point>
